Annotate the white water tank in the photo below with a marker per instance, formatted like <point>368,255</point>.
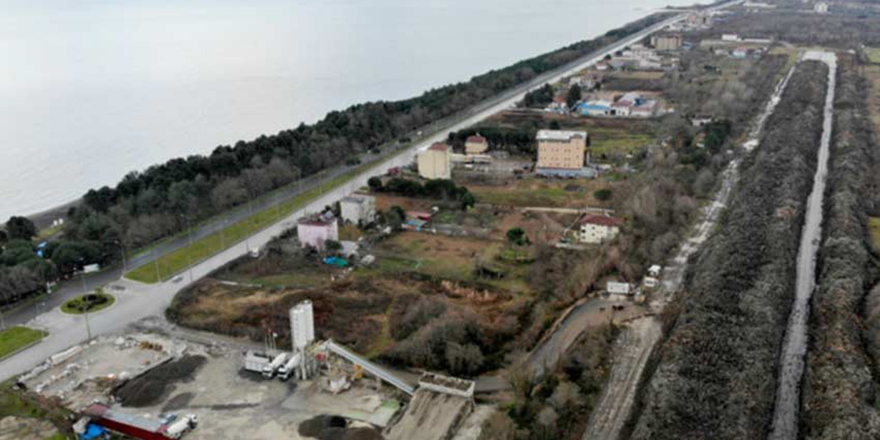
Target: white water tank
<point>310,321</point>
<point>298,328</point>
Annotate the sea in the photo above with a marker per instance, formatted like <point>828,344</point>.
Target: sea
<point>91,90</point>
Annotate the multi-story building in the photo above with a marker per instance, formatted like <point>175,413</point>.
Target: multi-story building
<point>666,42</point>
<point>358,209</point>
<point>436,162</point>
<point>561,152</point>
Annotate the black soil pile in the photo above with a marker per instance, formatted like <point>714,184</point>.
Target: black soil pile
<point>326,427</point>
<point>157,383</point>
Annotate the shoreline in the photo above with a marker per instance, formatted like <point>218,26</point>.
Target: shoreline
<point>44,218</point>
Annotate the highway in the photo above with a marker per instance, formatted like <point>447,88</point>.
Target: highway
<point>139,300</point>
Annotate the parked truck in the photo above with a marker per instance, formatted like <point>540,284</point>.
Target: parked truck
<point>270,369</point>
<point>181,426</point>
<point>289,368</point>
<point>254,361</point>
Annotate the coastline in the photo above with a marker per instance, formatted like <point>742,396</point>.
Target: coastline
<point>46,216</point>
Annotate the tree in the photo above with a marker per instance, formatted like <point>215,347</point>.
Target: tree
<point>517,236</point>
<point>467,200</point>
<point>574,95</point>
<point>603,194</point>
<point>3,237</point>
<point>375,184</point>
<point>21,228</point>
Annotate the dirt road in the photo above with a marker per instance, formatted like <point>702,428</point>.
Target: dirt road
<point>632,349</point>
<point>638,341</point>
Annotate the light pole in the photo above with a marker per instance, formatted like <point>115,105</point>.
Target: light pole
<point>83,307</point>
<point>188,255</point>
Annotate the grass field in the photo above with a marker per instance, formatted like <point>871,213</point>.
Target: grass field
<point>873,54</point>
<point>611,142</point>
<point>175,262</point>
<point>74,306</point>
<point>574,193</point>
<point>14,338</point>
<point>451,258</point>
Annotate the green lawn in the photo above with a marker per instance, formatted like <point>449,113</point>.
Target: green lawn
<point>612,142</point>
<point>14,338</point>
<point>873,54</point>
<point>76,305</point>
<point>179,260</point>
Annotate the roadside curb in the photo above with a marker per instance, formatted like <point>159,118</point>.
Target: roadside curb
<point>111,306</point>
<point>23,348</point>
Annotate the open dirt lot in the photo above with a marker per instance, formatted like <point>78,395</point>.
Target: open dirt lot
<point>170,374</point>
<point>92,370</point>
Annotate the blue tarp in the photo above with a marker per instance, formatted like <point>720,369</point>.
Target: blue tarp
<point>336,261</point>
<point>92,431</point>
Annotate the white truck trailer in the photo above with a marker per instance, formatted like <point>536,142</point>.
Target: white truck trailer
<point>255,362</point>
<point>289,368</point>
<point>270,369</point>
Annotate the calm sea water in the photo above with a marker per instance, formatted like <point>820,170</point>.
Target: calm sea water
<point>93,89</point>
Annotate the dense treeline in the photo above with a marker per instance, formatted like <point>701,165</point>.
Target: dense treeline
<point>159,201</point>
<point>840,390</point>
<point>717,368</point>
<point>835,30</point>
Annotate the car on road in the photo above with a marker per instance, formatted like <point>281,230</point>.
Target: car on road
<point>177,279</point>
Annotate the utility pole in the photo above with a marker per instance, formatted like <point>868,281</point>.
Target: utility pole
<point>85,312</point>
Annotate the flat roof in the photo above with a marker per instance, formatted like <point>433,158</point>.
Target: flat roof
<point>98,410</point>
<point>560,135</point>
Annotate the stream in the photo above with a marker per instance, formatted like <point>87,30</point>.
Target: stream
<point>785,416</point>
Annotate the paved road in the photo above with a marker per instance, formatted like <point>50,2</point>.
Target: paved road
<point>140,300</point>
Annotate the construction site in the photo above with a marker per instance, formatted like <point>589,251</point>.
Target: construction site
<point>159,381</point>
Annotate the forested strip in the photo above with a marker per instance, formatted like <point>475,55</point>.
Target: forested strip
<point>716,373</point>
<point>840,392</point>
<point>159,201</point>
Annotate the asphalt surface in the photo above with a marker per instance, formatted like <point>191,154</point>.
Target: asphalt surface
<point>788,395</point>
<point>139,300</point>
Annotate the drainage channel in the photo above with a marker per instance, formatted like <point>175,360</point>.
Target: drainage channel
<point>785,416</point>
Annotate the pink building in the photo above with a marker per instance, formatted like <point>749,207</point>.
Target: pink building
<point>315,230</point>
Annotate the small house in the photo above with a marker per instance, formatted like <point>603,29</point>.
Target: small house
<point>476,144</point>
<point>597,229</point>
<point>596,108</point>
<point>315,230</point>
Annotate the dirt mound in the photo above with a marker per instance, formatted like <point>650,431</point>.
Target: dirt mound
<point>327,427</point>
<point>316,425</point>
<point>151,387</point>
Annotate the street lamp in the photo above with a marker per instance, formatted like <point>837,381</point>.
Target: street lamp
<point>188,254</point>
<point>82,274</point>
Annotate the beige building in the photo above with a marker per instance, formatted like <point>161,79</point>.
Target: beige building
<point>666,42</point>
<point>436,162</point>
<point>476,145</point>
<point>596,229</point>
<point>561,150</point>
